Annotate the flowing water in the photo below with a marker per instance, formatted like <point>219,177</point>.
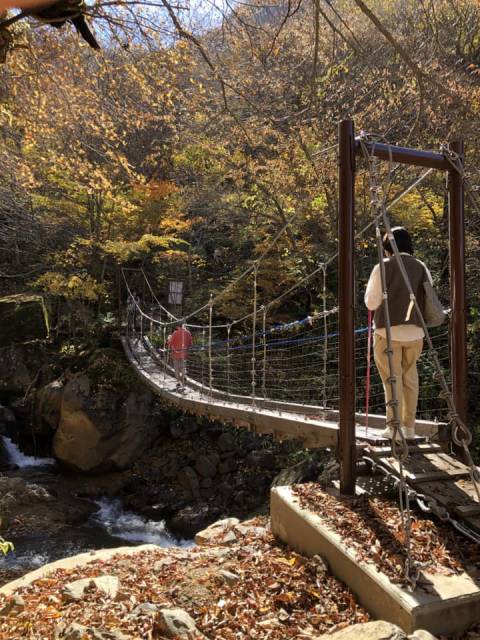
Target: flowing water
<point>110,526</point>
<point>16,457</point>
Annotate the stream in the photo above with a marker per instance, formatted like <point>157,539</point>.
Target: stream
<point>108,527</point>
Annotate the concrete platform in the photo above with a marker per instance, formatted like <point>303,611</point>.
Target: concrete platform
<point>453,605</point>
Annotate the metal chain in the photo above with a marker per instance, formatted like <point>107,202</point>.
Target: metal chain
<point>202,362</point>
<point>229,328</point>
<point>264,363</point>
<point>427,504</point>
<point>325,340</point>
<point>164,353</point>
<point>254,330</point>
<point>461,435</point>
<point>210,369</point>
<point>398,441</point>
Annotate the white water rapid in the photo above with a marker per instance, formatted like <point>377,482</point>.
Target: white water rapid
<point>132,527</point>
<point>15,456</point>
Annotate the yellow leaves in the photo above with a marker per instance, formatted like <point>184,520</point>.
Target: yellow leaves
<point>148,244</point>
<point>419,213</point>
<point>290,562</point>
<point>79,286</point>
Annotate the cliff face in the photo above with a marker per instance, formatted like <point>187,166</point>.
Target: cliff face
<point>22,318</point>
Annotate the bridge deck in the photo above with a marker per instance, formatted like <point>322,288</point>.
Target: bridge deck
<point>315,427</point>
<point>283,424</point>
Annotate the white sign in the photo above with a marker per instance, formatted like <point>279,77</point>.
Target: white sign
<point>175,292</point>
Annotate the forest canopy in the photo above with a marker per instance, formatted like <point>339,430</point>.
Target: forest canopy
<point>198,130</point>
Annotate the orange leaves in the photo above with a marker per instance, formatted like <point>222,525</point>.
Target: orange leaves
<point>156,189</point>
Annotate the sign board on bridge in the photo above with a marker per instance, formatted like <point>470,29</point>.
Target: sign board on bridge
<point>175,292</point>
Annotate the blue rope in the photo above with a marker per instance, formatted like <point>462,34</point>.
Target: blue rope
<point>282,342</point>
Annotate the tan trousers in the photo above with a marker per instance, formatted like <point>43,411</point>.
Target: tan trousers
<point>405,356</point>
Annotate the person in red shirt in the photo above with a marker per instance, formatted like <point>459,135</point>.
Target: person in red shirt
<point>178,344</point>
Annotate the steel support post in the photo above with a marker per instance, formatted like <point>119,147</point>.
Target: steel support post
<point>458,327</point>
<point>346,305</point>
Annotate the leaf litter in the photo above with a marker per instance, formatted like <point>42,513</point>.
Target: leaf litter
<point>277,594</point>
<point>372,527</point>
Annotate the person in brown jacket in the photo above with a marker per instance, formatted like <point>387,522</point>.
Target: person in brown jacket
<point>407,332</point>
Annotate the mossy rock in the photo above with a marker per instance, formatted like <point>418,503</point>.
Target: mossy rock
<point>22,318</point>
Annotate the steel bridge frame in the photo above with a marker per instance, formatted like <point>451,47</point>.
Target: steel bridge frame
<point>348,148</point>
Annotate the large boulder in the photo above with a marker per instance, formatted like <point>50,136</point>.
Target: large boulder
<point>22,318</point>
<point>48,404</point>
<point>103,429</point>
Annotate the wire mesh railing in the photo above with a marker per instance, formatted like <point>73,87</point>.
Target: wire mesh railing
<point>295,362</point>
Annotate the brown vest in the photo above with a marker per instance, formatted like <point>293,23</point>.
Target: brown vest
<point>398,296</point>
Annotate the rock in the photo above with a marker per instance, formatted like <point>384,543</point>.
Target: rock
<point>188,479</point>
<point>241,498</point>
<point>177,623</point>
<point>7,417</point>
<point>377,630</point>
<point>77,631</point>
<point>160,565</point>
<point>217,532</point>
<point>100,430</point>
<point>226,442</point>
<point>39,510</point>
<point>16,493</point>
<point>145,609</point>
<point>48,404</point>
<point>421,634</point>
<point>19,367</point>
<point>304,471</point>
<point>225,490</point>
<point>228,538</point>
<point>229,577</point>
<point>183,426</point>
<point>188,521</point>
<point>262,459</point>
<point>227,466</point>
<point>205,466</point>
<point>23,318</point>
<point>321,565</point>
<point>13,606</point>
<point>244,530</point>
<point>109,585</point>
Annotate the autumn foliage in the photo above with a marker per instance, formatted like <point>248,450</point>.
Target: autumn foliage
<point>192,138</point>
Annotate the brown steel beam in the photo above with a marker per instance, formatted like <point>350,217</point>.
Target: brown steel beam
<point>346,305</point>
<point>458,326</point>
<point>404,155</point>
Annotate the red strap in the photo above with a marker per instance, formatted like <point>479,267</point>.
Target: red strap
<point>367,381</point>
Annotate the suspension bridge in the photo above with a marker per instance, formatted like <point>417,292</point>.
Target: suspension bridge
<point>310,379</point>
